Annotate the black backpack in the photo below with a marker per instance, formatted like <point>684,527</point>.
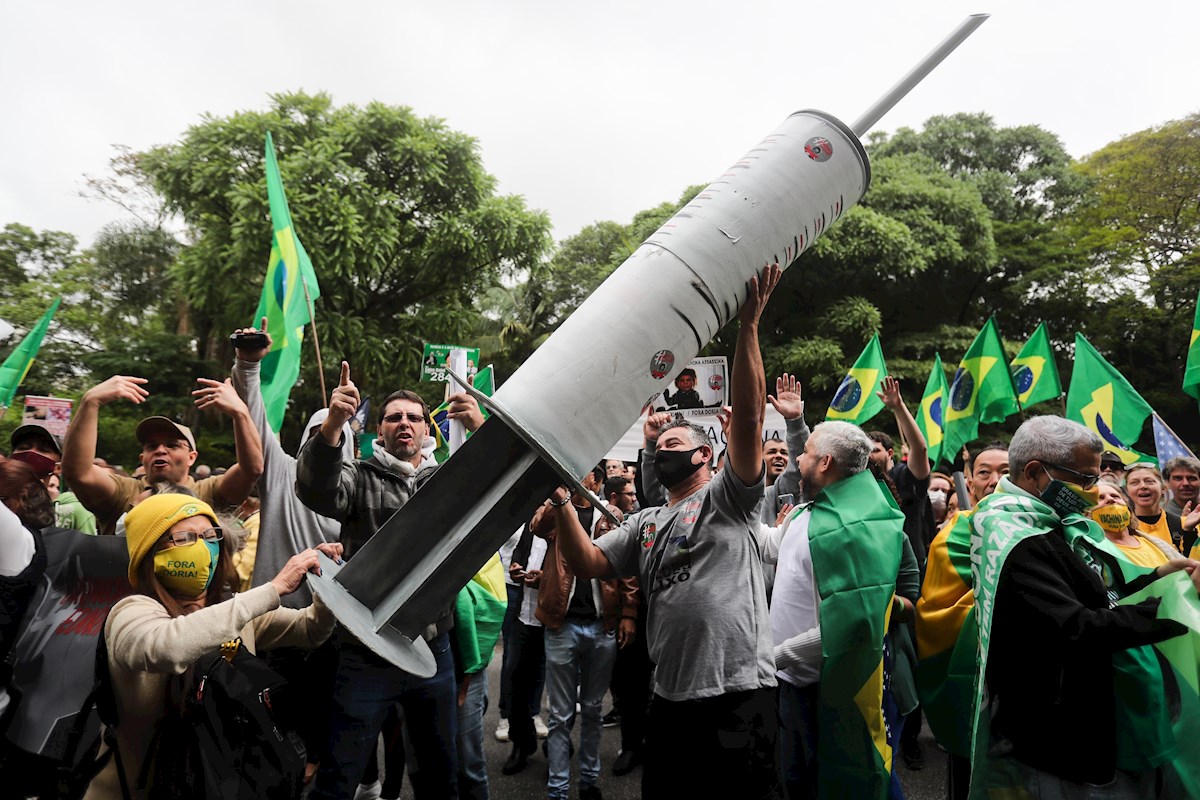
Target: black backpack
<point>230,736</point>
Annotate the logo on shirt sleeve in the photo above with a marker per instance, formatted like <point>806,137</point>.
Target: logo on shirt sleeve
<point>647,535</point>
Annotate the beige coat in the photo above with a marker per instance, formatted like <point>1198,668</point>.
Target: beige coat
<point>146,646</point>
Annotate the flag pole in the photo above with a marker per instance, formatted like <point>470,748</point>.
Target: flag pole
<point>312,320</point>
<point>1011,381</point>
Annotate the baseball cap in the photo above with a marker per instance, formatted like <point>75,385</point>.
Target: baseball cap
<point>25,432</point>
<point>152,426</point>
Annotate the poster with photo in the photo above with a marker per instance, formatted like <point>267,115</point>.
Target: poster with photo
<point>52,413</point>
<point>703,385</point>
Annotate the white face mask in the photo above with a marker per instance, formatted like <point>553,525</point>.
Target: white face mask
<point>937,496</point>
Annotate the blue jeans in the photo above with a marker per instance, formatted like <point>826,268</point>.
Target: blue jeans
<point>472,761</point>
<point>579,654</point>
<point>365,686</point>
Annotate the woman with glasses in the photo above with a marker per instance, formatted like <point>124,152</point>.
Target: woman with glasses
<point>185,607</point>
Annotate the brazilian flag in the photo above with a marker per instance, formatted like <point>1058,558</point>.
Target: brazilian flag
<point>439,418</point>
<point>479,614</point>
<point>1191,371</point>
<point>283,300</point>
<point>16,366</point>
<point>854,535</point>
<point>855,399</point>
<point>1034,372</point>
<point>930,414</point>
<point>982,391</point>
<point>1104,401</point>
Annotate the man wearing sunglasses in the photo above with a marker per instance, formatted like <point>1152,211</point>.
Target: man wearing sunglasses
<point>1051,631</point>
<point>362,495</point>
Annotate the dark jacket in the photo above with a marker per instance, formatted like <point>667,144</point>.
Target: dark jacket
<point>1050,669</point>
<point>362,495</point>
<point>16,593</point>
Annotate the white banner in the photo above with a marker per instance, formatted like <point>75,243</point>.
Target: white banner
<point>627,448</point>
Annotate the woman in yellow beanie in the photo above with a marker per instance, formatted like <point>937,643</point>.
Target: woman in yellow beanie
<point>181,566</point>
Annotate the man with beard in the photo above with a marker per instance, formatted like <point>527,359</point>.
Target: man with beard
<point>168,451</point>
<point>712,720</point>
<point>362,495</point>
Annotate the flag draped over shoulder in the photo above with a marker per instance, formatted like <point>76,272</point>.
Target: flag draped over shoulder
<point>855,538</point>
<point>1191,371</point>
<point>478,615</point>
<point>1034,372</point>
<point>16,366</point>
<point>982,390</point>
<point>283,300</point>
<point>947,637</point>
<point>855,399</point>
<point>1106,403</point>
<point>931,412</point>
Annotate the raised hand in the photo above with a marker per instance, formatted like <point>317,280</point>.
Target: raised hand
<point>725,416</point>
<point>759,292</point>
<point>218,396</point>
<point>254,354</point>
<point>1190,516</point>
<point>344,402</point>
<point>889,393</point>
<point>118,387</point>
<point>653,423</point>
<point>466,408</point>
<point>787,400</point>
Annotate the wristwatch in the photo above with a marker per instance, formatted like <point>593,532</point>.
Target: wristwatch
<point>557,504</point>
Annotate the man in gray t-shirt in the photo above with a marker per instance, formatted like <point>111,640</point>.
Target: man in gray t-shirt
<point>712,722</point>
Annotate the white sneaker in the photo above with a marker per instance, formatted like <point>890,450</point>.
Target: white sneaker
<point>502,731</point>
<point>368,791</point>
<point>540,727</point>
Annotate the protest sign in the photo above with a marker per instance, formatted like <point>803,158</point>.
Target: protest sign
<point>52,413</point>
<point>627,448</point>
<point>436,358</point>
<point>704,383</point>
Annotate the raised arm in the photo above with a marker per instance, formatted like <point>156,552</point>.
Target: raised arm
<point>748,392</point>
<point>247,382</point>
<point>240,479</point>
<point>788,402</point>
<point>586,560</point>
<point>93,486</point>
<point>918,449</point>
<point>652,492</point>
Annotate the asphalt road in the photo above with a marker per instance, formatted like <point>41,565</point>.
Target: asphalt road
<point>927,784</point>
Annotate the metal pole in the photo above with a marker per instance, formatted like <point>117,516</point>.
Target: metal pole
<point>917,74</point>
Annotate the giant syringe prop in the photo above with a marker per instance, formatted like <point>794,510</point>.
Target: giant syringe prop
<point>559,414</point>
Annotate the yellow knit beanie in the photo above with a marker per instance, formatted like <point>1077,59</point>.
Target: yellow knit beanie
<point>150,519</point>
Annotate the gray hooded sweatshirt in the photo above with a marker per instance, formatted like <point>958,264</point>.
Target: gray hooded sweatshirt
<point>287,526</point>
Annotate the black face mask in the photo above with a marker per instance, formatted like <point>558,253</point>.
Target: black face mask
<point>673,467</point>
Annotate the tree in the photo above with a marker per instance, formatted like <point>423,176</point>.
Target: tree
<point>403,224</point>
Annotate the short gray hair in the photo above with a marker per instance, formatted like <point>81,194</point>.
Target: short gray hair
<point>1049,439</point>
<point>845,443</point>
<point>1185,463</point>
<point>698,435</point>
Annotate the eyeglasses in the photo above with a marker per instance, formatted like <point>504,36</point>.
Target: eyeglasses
<point>184,538</point>
<point>394,419</point>
<point>1086,479</point>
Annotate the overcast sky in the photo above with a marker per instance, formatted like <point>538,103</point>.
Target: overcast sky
<point>590,110</point>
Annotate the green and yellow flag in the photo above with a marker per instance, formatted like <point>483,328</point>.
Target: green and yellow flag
<point>930,414</point>
<point>855,538</point>
<point>1034,372</point>
<point>439,419</point>
<point>16,366</point>
<point>1103,400</point>
<point>1191,371</point>
<point>855,399</point>
<point>283,300</point>
<point>479,614</point>
<point>982,390</point>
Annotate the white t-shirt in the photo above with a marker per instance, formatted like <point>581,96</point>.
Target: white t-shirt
<point>794,602</point>
<point>18,547</point>
<point>537,554</point>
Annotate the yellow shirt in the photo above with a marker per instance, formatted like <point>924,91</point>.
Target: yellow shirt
<point>243,560</point>
<point>1159,529</point>
<point>1146,554</point>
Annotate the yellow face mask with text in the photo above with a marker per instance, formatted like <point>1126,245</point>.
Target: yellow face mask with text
<point>1112,518</point>
<point>187,570</point>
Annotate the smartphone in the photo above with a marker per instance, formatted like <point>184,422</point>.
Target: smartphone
<point>784,500</point>
<point>248,341</point>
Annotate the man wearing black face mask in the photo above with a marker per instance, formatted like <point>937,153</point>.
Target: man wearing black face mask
<point>699,565</point>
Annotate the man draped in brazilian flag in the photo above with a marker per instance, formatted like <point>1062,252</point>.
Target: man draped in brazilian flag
<point>838,556</point>
<point>1074,701</point>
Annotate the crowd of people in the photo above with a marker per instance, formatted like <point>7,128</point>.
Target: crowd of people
<point>773,618</point>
